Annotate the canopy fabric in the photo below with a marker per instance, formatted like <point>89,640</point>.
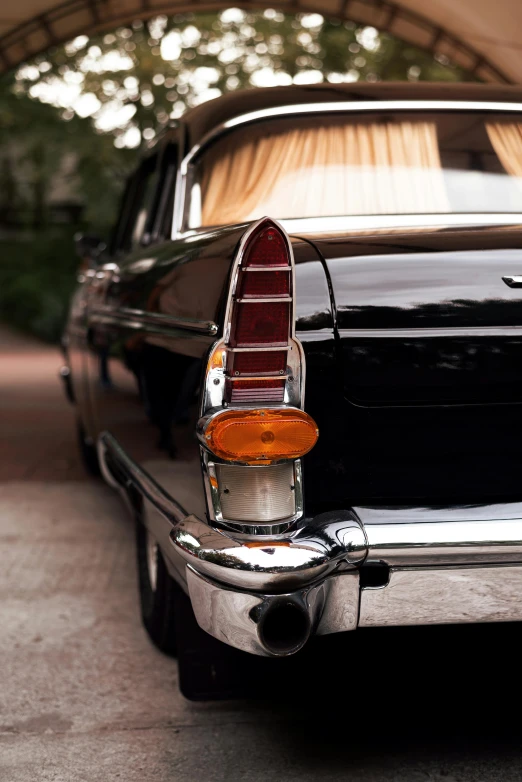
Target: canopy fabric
<point>483,36</point>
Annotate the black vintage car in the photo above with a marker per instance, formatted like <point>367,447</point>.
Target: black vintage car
<point>299,361</point>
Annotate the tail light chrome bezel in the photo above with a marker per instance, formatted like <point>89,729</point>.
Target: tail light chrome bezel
<point>214,399</point>
<point>236,268</point>
<point>213,396</point>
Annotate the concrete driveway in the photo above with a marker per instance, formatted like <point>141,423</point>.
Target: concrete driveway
<point>84,696</point>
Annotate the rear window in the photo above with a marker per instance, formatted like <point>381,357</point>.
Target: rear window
<point>383,163</point>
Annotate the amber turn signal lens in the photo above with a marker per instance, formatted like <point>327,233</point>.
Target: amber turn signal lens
<point>261,435</point>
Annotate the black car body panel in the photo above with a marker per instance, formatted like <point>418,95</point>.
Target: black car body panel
<point>430,349</point>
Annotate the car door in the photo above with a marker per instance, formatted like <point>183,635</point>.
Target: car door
<point>143,374</point>
<point>104,299</point>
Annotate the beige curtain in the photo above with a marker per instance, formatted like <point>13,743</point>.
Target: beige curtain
<point>506,139</point>
<point>380,168</point>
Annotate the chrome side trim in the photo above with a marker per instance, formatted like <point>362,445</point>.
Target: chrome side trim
<point>513,281</point>
<point>65,375</point>
<point>103,446</point>
<point>140,319</point>
<point>133,475</point>
<point>301,226</point>
<point>452,595</point>
<point>181,205</point>
<point>422,333</point>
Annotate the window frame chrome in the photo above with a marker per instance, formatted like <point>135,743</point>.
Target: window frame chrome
<point>182,195</point>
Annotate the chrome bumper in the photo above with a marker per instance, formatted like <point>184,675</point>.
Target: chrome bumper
<point>268,595</point>
<point>440,572</point>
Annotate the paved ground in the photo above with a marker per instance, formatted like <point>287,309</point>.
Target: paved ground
<point>84,695</point>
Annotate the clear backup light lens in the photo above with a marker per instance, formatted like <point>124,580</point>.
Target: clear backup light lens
<point>257,495</point>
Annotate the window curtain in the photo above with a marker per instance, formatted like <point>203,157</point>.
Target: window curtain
<point>506,140</point>
<point>351,169</point>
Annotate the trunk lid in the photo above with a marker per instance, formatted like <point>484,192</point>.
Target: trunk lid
<point>429,348</point>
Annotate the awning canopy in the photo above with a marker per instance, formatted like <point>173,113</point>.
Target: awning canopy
<point>483,36</point>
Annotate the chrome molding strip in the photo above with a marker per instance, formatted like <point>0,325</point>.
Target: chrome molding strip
<point>140,319</point>
<point>422,333</point>
<point>446,542</point>
<point>301,226</point>
<point>381,223</point>
<point>348,107</point>
<point>135,476</point>
<point>452,595</point>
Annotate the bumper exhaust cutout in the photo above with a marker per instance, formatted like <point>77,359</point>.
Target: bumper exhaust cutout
<point>284,627</point>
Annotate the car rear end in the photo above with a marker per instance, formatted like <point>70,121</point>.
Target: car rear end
<point>360,412</point>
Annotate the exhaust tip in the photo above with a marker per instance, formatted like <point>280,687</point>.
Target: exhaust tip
<point>284,628</point>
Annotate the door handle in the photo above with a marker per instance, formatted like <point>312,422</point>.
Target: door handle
<point>108,271</point>
<point>513,281</point>
<point>84,276</point>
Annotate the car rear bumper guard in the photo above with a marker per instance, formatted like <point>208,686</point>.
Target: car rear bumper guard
<point>268,595</point>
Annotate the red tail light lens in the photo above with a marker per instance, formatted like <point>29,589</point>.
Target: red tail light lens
<point>260,324</point>
<point>256,284</point>
<point>268,248</point>
<point>253,363</point>
<point>265,273</point>
<point>245,391</point>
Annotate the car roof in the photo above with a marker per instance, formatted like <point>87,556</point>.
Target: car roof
<point>202,119</point>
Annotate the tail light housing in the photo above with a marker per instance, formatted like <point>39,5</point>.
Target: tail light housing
<point>260,318</point>
<point>252,427</point>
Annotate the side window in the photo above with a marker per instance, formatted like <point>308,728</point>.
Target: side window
<point>116,241</point>
<point>148,202</point>
<point>169,165</point>
<point>139,228</point>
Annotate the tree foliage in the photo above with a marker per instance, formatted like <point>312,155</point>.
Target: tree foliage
<point>132,80</point>
<point>95,99</point>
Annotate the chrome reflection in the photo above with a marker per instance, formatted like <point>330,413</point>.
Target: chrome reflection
<point>451,595</point>
<point>140,319</point>
<point>246,620</point>
<point>273,564</point>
